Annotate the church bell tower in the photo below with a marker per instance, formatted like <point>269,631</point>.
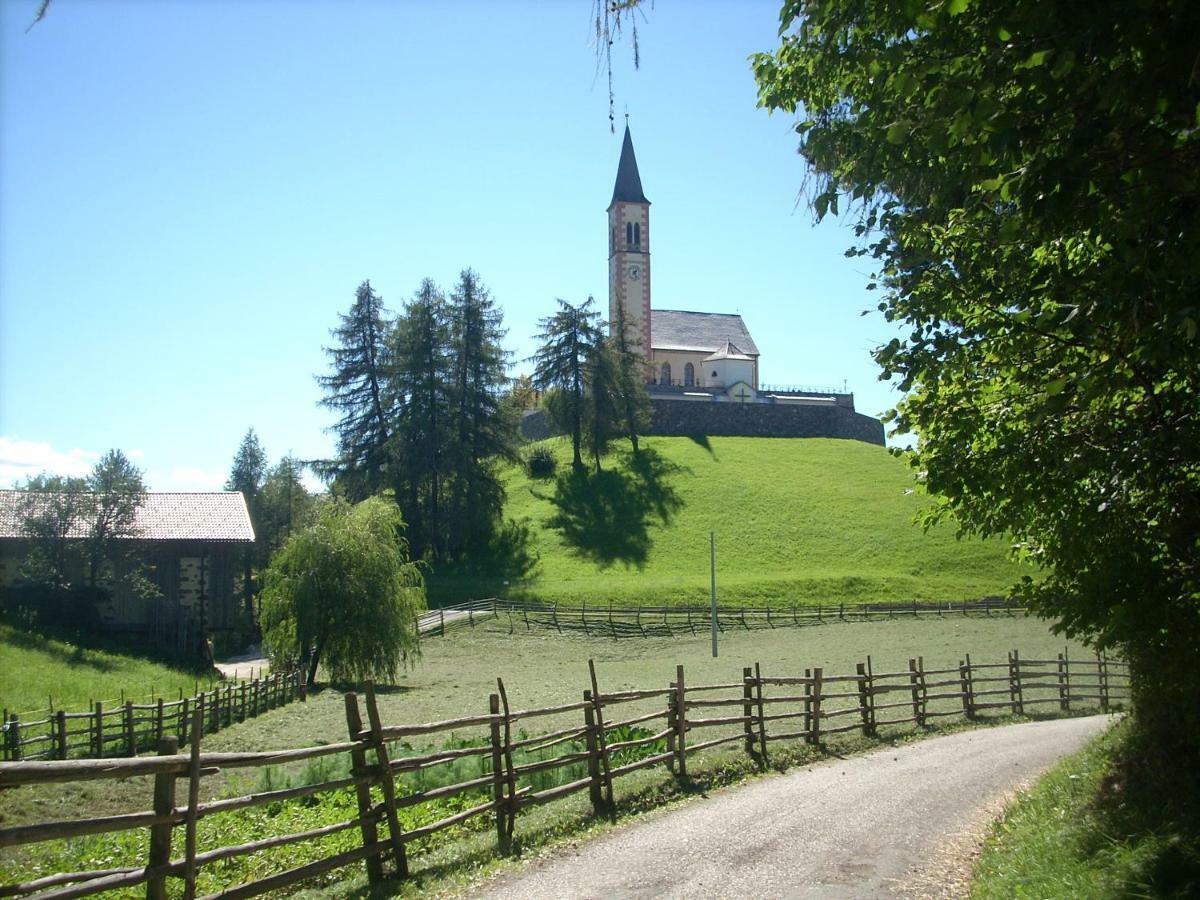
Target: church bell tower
<point>629,253</point>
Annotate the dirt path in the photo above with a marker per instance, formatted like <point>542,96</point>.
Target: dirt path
<point>899,822</point>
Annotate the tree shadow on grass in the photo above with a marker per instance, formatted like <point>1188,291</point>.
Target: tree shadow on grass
<point>606,516</point>
<point>507,558</point>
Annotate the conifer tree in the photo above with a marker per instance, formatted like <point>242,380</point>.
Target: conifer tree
<point>422,378</point>
<point>631,401</point>
<point>603,419</point>
<point>358,389</point>
<point>567,338</point>
<point>485,430</point>
<point>247,475</point>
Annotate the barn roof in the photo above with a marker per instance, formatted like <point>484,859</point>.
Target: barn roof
<point>678,329</point>
<point>216,517</point>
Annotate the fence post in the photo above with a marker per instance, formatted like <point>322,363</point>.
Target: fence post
<point>1102,678</point>
<point>387,782</point>
<point>509,774</point>
<point>595,789</point>
<point>762,721</point>
<point>61,733</point>
<point>915,690</point>
<point>160,835</point>
<point>14,738</point>
<point>601,736</point>
<point>498,770</point>
<point>1063,702</point>
<point>1014,683</point>
<point>680,724</point>
<point>158,721</point>
<point>816,705</point>
<point>184,721</point>
<point>189,845</point>
<point>358,763</point>
<point>808,705</point>
<point>130,741</point>
<point>99,732</point>
<point>964,687</point>
<point>864,700</point>
<point>672,716</point>
<point>748,709</point>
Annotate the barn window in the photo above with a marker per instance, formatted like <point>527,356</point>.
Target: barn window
<point>689,375</point>
<point>665,377</point>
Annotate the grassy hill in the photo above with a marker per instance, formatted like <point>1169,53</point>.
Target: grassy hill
<point>36,671</point>
<point>797,521</point>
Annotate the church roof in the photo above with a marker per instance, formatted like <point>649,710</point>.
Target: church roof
<point>729,351</point>
<point>161,517</point>
<point>678,329</point>
<point>629,183</point>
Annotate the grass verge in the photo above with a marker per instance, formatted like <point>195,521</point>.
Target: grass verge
<point>1080,832</point>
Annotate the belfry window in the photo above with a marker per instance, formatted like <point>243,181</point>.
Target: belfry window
<point>637,234</point>
<point>665,376</point>
<point>689,375</point>
<point>628,234</point>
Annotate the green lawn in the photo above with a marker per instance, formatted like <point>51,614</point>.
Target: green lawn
<point>36,672</point>
<point>797,520</point>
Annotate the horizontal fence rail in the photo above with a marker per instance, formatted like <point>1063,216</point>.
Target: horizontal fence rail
<point>590,743</point>
<point>654,621</point>
<point>125,728</point>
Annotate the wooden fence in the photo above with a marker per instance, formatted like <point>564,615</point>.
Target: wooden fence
<point>123,728</point>
<point>648,621</point>
<point>591,740</point>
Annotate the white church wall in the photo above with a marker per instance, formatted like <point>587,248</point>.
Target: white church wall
<point>678,360</point>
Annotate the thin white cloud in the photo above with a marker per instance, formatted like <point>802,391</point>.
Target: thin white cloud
<point>186,478</point>
<point>20,459</point>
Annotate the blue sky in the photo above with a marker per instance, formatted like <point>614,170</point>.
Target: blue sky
<point>191,191</point>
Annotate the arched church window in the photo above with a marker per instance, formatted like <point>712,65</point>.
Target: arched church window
<point>665,376</point>
<point>637,234</point>
<point>629,234</point>
<point>689,375</point>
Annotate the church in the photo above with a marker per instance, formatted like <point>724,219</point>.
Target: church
<point>702,368</point>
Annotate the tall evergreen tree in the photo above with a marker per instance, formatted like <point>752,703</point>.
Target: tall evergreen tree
<point>602,419</point>
<point>358,388</point>
<point>422,380</point>
<point>567,339</point>
<point>629,382</point>
<point>247,475</point>
<point>285,505</point>
<point>485,430</point>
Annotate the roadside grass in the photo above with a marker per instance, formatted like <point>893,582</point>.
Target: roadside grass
<point>797,521</point>
<point>36,671</point>
<point>1081,832</point>
<point>454,677</point>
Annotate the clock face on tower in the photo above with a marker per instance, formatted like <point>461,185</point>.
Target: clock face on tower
<point>635,272</point>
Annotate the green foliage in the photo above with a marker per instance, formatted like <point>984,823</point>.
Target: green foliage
<point>540,462</point>
<point>284,506</point>
<point>1027,181</point>
<point>342,594</point>
<point>53,508</point>
<point>247,475</point>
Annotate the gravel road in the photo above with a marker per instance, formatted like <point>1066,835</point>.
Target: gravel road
<point>903,821</point>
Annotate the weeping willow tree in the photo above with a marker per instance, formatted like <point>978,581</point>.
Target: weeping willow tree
<point>343,595</point>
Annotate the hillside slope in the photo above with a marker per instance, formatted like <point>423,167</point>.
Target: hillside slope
<point>797,521</point>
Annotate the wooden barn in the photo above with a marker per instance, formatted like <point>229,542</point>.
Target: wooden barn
<point>188,544</point>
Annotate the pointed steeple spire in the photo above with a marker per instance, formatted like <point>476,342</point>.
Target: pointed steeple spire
<point>629,183</point>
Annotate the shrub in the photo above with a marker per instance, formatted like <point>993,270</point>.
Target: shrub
<point>541,463</point>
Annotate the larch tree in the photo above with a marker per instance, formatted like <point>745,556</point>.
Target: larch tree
<point>358,390</point>
<point>485,429</point>
<point>423,379</point>
<point>247,475</point>
<point>567,339</point>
